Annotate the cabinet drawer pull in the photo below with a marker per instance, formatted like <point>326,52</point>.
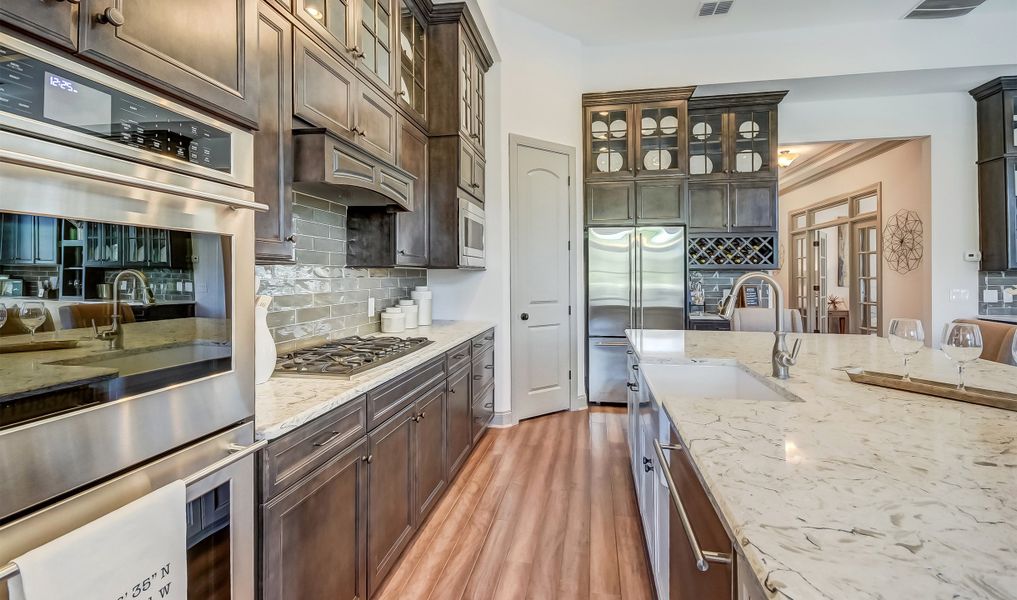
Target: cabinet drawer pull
<point>478,345</point>
<point>458,356</point>
<point>477,377</point>
<point>489,367</point>
<point>71,1</point>
<point>489,405</point>
<point>489,337</point>
<point>367,459</point>
<point>703,557</point>
<point>632,386</point>
<point>333,435</point>
<point>111,16</point>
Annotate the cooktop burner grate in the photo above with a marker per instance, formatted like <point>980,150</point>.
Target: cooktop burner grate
<point>349,356</point>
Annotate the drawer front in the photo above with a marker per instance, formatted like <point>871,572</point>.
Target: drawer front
<point>457,357</point>
<point>296,454</point>
<point>482,342</point>
<point>483,411</point>
<point>483,371</point>
<point>390,398</point>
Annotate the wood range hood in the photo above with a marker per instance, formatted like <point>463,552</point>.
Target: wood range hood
<point>332,168</point>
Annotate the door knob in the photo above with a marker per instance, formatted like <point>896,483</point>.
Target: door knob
<point>111,16</point>
<point>525,316</point>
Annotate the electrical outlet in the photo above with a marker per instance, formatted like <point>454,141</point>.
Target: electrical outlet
<point>990,296</point>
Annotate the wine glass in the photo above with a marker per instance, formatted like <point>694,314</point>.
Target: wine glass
<point>907,336</point>
<point>962,343</point>
<point>3,315</point>
<point>33,315</point>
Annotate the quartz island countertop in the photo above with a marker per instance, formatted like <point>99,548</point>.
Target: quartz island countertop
<point>286,402</point>
<point>856,491</point>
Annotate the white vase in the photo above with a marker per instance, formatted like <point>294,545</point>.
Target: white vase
<point>264,345</point>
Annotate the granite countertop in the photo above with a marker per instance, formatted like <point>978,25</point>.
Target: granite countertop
<point>23,373</point>
<point>286,402</point>
<point>857,491</point>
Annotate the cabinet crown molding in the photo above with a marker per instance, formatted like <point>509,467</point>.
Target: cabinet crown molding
<point>459,12</point>
<point>638,96</point>
<point>996,85</point>
<point>736,100</point>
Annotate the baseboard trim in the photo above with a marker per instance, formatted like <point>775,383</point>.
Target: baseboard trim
<point>581,403</point>
<point>503,420</point>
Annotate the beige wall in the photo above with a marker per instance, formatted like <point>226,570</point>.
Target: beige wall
<point>904,174</point>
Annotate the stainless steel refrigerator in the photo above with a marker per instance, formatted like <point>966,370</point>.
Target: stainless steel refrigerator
<point>635,279</point>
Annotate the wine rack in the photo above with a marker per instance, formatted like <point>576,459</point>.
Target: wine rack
<point>733,252</point>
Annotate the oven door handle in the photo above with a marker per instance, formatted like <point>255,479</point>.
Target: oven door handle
<point>237,453</point>
<point>100,175</point>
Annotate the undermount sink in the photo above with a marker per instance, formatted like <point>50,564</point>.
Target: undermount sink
<point>143,361</point>
<point>711,382</point>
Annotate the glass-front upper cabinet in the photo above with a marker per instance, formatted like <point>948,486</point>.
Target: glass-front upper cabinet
<point>751,135</point>
<point>608,132</point>
<point>660,134</point>
<point>330,19</point>
<point>706,142</point>
<point>412,61</point>
<point>374,40</point>
<point>1013,122</point>
<point>732,141</point>
<point>103,244</point>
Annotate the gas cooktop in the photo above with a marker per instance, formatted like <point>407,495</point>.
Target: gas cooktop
<point>347,356</point>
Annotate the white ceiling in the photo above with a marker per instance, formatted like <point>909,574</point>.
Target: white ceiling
<point>615,22</point>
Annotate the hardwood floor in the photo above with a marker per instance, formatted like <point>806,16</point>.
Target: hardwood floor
<point>544,510</point>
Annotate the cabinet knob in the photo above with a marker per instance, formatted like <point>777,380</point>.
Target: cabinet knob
<point>423,414</point>
<point>291,238</point>
<point>525,316</point>
<point>477,377</point>
<point>368,459</point>
<point>358,52</point>
<point>647,468</point>
<point>111,16</point>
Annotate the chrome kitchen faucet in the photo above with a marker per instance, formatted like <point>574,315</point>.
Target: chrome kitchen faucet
<point>781,359</point>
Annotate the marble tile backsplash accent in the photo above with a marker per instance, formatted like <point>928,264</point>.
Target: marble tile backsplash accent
<point>320,298</point>
<point>714,285</point>
<point>997,302</point>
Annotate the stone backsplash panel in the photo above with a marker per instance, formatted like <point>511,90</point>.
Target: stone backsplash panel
<point>320,298</point>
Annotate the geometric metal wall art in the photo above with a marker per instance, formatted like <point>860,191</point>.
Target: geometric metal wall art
<point>902,241</point>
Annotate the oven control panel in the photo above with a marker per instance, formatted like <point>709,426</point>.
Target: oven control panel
<point>36,90</point>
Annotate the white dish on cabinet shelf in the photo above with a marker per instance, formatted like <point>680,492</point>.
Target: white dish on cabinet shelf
<point>619,128</point>
<point>749,129</point>
<point>657,160</point>
<point>648,125</point>
<point>598,129</point>
<point>700,164</point>
<point>669,125</point>
<point>701,130</point>
<point>609,162</point>
<point>747,161</point>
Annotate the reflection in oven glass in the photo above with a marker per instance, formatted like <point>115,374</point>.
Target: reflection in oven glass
<point>128,310</point>
<point>208,546</point>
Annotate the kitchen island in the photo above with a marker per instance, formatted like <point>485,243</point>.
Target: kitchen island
<point>846,490</point>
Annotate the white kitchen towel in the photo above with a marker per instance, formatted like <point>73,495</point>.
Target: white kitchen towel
<point>138,552</point>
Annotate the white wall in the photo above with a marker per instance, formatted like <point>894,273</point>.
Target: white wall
<point>533,91</point>
<point>904,175</point>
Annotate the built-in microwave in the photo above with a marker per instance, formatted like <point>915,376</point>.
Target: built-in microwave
<point>472,243</point>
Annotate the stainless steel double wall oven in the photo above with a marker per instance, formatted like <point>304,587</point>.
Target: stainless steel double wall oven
<point>85,430</point>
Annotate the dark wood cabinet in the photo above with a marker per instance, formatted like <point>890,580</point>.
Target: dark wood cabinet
<point>611,203</point>
<point>660,201</point>
<point>376,123</point>
<point>28,240</point>
<point>273,142</point>
<point>203,52</point>
<point>733,136</point>
<point>412,87</point>
<point>686,580</point>
<point>644,202</point>
<point>742,206</point>
<point>325,90</point>
<point>429,450</point>
<point>472,170</point>
<point>459,419</point>
<point>997,173</point>
<point>314,538</point>
<point>55,21</point>
<point>482,412</point>
<point>391,515</point>
<point>333,21</point>
<point>411,227</point>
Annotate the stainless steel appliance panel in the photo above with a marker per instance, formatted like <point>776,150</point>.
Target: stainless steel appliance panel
<point>472,235</point>
<point>198,465</point>
<point>610,259</point>
<point>660,277</point>
<point>46,459</point>
<point>608,371</point>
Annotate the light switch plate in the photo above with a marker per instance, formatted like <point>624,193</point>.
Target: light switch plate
<point>990,296</point>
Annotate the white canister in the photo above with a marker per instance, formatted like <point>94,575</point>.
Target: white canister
<point>422,295</point>
<point>393,320</point>
<point>411,310</point>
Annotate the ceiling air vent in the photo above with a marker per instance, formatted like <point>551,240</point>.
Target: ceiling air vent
<point>943,9</point>
<point>710,9</point>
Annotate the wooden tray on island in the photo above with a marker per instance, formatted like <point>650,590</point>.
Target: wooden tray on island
<point>38,346</point>
<point>950,391</point>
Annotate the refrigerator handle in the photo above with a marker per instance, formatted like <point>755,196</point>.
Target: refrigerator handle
<point>632,287</point>
<point>639,258</point>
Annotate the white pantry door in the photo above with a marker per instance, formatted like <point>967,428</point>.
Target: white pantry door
<point>541,280</point>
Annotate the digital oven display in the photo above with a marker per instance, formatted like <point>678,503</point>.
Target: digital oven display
<point>72,103</point>
<point>33,89</point>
